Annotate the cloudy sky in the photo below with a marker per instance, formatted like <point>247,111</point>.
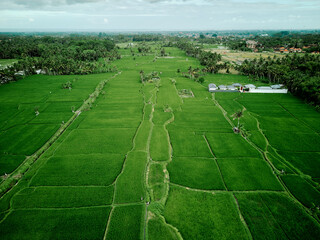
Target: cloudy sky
<point>110,15</point>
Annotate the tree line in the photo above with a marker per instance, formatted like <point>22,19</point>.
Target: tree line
<point>211,61</point>
<point>300,73</point>
<point>56,55</point>
<point>311,42</point>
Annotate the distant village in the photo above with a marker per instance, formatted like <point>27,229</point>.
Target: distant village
<point>253,45</point>
<point>237,87</point>
<point>246,38</point>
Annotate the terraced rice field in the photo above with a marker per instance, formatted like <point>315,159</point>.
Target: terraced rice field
<point>145,163</point>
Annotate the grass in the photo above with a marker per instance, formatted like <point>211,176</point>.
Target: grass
<point>52,117</point>
<point>87,223</point>
<point>126,222</point>
<point>62,197</point>
<point>276,216</point>
<point>142,136</point>
<point>130,186</point>
<point>100,121</point>
<point>62,106</point>
<point>199,107</point>
<point>195,121</point>
<point>160,116</point>
<point>89,141</point>
<point>278,163</point>
<point>158,191</point>
<point>307,162</point>
<point>302,190</point>
<point>199,173</point>
<point>18,120</point>
<point>156,174</point>
<point>283,124</point>
<point>158,230</point>
<point>205,215</point>
<point>230,106</point>
<point>197,146</point>
<point>248,174</point>
<point>9,162</point>
<point>294,141</point>
<point>79,170</point>
<point>227,145</point>
<point>168,95</point>
<point>258,139</point>
<point>159,145</point>
<point>9,143</point>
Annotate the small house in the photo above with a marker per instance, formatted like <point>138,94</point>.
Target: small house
<point>238,85</point>
<point>40,71</point>
<point>222,87</point>
<point>20,73</point>
<point>231,87</point>
<point>250,86</point>
<point>265,88</point>
<point>277,86</point>
<point>212,87</point>
<point>251,44</point>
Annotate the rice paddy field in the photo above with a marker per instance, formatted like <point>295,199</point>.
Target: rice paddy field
<point>145,162</point>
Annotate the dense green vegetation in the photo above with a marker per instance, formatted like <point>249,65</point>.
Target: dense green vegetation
<point>279,39</point>
<point>157,159</point>
<point>207,59</point>
<point>56,55</point>
<point>300,73</point>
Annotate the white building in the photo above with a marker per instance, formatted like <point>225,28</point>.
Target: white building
<point>212,87</point>
<point>268,90</point>
<point>265,88</point>
<point>277,86</point>
<point>222,87</point>
<point>250,86</point>
<point>237,85</point>
<point>230,87</point>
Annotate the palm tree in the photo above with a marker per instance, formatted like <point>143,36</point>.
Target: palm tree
<point>142,76</point>
<point>238,115</point>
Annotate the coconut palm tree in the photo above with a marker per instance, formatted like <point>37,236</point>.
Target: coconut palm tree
<point>238,115</point>
<point>142,76</point>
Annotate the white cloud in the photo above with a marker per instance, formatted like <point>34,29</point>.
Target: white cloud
<point>31,20</point>
<point>160,14</point>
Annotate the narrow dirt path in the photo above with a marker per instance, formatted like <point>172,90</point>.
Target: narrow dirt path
<point>147,169</point>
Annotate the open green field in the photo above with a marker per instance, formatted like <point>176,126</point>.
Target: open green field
<point>7,62</point>
<point>146,162</point>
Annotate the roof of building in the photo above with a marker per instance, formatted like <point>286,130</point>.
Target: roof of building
<point>264,87</point>
<point>237,85</point>
<point>222,86</point>
<point>212,85</point>
<point>249,86</point>
<point>231,87</point>
<point>276,86</point>
<point>251,42</point>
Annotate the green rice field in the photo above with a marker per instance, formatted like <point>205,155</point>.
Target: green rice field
<point>144,162</point>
